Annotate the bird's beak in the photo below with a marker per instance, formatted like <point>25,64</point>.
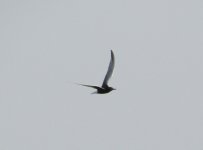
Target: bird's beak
<point>114,89</point>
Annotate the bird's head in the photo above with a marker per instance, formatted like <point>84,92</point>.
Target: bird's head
<point>111,88</point>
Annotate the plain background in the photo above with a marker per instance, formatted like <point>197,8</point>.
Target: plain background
<point>47,45</point>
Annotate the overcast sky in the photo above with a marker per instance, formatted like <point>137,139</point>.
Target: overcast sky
<point>47,45</point>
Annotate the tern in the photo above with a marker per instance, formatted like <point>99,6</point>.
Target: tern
<point>105,88</point>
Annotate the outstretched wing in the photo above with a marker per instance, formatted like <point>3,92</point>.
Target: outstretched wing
<point>110,71</point>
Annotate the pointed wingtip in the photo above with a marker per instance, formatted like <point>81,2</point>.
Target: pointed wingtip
<point>111,52</point>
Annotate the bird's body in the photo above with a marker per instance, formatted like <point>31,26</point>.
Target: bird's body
<point>105,88</point>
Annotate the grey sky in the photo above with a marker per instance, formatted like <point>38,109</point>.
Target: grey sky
<point>46,46</point>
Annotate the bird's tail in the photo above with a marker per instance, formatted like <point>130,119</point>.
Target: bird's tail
<point>95,87</point>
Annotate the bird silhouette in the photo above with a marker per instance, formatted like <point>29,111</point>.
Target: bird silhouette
<point>105,88</point>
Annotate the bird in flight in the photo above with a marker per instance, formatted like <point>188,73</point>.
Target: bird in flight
<point>105,88</point>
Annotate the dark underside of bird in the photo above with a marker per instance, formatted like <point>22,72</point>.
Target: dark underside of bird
<point>105,88</point>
